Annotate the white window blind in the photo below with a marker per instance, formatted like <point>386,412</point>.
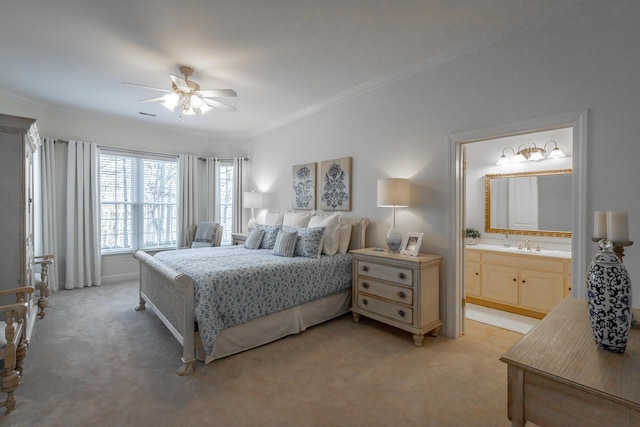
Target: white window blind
<point>138,201</point>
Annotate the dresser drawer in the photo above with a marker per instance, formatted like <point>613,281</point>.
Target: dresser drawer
<point>395,311</point>
<point>385,290</point>
<point>386,272</point>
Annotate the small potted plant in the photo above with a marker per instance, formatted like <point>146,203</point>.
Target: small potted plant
<point>471,236</point>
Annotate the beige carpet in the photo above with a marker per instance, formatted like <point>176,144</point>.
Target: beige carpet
<point>94,361</point>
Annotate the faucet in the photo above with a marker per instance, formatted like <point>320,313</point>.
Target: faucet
<point>527,245</point>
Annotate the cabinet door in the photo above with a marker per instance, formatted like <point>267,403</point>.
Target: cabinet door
<point>472,278</point>
<point>500,283</point>
<point>540,290</point>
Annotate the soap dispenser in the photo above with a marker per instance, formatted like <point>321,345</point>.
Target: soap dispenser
<point>506,243</point>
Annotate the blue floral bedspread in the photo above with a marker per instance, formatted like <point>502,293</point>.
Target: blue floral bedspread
<point>234,285</point>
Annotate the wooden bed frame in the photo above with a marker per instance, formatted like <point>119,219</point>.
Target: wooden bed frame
<point>171,295</point>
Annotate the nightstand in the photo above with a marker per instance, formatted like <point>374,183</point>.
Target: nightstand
<point>238,238</point>
<point>399,290</point>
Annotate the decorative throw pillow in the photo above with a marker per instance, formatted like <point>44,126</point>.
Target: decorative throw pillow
<point>273,218</point>
<point>331,223</point>
<point>344,232</point>
<point>296,219</point>
<point>254,239</point>
<point>270,234</point>
<point>285,244</point>
<point>309,241</point>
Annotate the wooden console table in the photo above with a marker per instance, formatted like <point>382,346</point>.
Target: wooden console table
<point>558,377</point>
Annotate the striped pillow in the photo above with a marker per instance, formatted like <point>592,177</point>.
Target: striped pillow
<point>254,239</point>
<point>285,243</point>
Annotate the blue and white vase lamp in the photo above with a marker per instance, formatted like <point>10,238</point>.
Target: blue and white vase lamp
<point>609,299</point>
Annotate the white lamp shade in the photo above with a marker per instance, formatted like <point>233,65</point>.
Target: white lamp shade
<point>393,192</point>
<point>253,199</point>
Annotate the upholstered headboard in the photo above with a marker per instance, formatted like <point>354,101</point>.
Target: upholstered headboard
<point>358,231</point>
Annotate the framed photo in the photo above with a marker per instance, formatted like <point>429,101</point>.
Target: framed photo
<point>336,184</point>
<point>304,186</point>
<point>411,244</point>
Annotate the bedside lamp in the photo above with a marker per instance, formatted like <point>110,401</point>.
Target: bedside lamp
<point>252,200</point>
<point>394,193</point>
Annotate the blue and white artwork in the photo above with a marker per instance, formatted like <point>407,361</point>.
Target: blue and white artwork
<point>336,184</point>
<point>304,186</point>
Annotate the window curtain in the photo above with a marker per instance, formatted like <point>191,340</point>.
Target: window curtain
<point>48,197</point>
<point>188,196</point>
<point>83,216</point>
<point>213,172</point>
<point>239,179</point>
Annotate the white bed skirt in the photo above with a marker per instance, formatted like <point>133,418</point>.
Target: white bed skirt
<point>269,328</point>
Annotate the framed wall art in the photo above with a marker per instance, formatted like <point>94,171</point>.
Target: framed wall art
<point>304,186</point>
<point>411,244</point>
<point>335,192</point>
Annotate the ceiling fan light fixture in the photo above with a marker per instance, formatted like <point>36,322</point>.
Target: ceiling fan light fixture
<point>196,101</point>
<point>189,112</point>
<point>204,108</point>
<point>171,101</point>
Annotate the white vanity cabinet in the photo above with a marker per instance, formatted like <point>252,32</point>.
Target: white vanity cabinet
<point>519,282</point>
<point>19,140</point>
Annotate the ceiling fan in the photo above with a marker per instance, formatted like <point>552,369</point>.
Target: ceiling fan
<point>187,95</point>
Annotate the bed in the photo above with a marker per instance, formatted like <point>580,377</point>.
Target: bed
<point>219,301</point>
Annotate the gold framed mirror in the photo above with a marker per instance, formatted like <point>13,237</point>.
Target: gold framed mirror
<point>529,203</point>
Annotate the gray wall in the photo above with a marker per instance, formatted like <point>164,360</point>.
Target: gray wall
<point>585,60</point>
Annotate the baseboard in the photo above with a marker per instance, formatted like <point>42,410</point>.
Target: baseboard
<point>116,278</point>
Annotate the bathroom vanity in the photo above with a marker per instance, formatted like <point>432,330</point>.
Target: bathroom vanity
<point>524,281</point>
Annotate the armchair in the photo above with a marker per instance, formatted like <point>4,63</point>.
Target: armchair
<point>42,284</point>
<point>13,343</point>
<point>205,234</point>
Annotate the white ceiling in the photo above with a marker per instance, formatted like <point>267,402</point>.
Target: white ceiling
<point>285,58</point>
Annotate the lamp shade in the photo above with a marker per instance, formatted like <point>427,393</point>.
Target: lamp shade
<point>253,199</point>
<point>393,192</point>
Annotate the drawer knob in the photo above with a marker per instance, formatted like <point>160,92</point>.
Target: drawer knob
<point>401,275</point>
<point>514,280</point>
<point>365,268</point>
<point>365,285</point>
<point>365,302</point>
<point>401,313</point>
<point>477,274</point>
<point>402,294</point>
<point>524,281</point>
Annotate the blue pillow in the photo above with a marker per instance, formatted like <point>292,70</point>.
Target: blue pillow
<point>270,234</point>
<point>254,239</point>
<point>285,243</point>
<point>309,242</point>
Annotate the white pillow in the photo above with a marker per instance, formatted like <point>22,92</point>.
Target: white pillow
<point>296,219</point>
<point>331,223</point>
<point>344,236</point>
<point>273,218</point>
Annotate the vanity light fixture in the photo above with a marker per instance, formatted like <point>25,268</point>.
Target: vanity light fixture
<point>531,153</point>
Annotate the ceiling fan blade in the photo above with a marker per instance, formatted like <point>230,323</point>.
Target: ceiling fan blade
<point>160,98</point>
<point>180,83</point>
<point>217,93</point>
<point>219,105</point>
<point>146,87</point>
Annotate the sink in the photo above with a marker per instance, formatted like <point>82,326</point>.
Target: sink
<point>523,250</point>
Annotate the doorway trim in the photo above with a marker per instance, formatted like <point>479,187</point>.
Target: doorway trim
<point>576,120</point>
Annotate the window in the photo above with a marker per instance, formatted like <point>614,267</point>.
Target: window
<point>225,189</point>
<point>138,201</point>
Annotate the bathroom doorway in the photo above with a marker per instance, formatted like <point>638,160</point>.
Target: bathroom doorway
<point>487,146</point>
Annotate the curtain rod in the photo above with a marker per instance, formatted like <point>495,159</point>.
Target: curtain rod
<point>148,152</point>
<point>222,158</point>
